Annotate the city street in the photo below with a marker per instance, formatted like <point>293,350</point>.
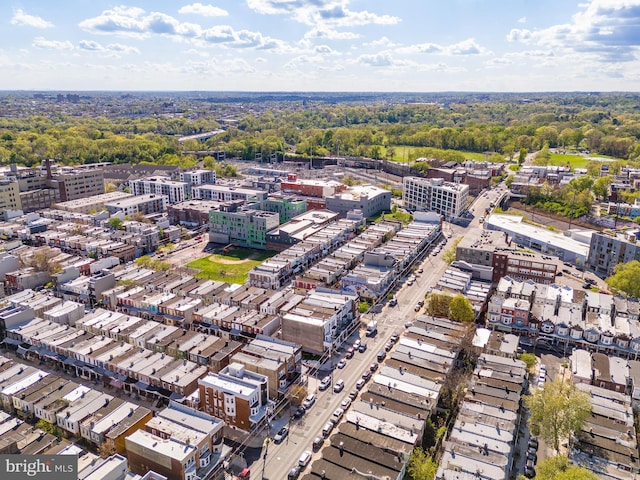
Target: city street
<point>281,458</point>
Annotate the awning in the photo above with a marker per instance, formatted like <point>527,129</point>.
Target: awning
<point>142,385</point>
<point>12,341</point>
<point>21,351</point>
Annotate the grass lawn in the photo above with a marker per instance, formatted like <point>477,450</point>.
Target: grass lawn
<point>402,153</point>
<point>231,267</point>
<point>575,161</point>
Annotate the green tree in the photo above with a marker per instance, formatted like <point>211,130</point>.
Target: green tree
<point>460,309</point>
<point>625,278</point>
<point>529,358</point>
<point>363,307</point>
<point>449,254</point>
<point>558,411</point>
<point>601,186</point>
<point>48,427</point>
<point>559,468</point>
<point>437,304</point>
<point>110,187</point>
<point>522,155</point>
<point>115,223</point>
<point>421,465</point>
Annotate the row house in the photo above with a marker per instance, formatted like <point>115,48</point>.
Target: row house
<point>95,428</point>
<point>235,395</point>
<point>190,427</point>
<point>276,271</point>
<point>48,407</point>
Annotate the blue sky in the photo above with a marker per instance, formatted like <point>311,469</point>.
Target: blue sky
<point>320,45</point>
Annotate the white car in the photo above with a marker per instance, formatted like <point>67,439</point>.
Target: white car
<point>309,401</point>
<point>345,403</point>
<point>339,385</point>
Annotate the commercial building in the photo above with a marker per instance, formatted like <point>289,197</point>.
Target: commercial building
<point>572,248</point>
<point>227,193</point>
<point>145,204</point>
<point>608,250</point>
<point>434,194</point>
<point>94,203</point>
<point>495,250</point>
<point>198,177</point>
<point>311,188</point>
<point>175,191</point>
<point>246,228</point>
<point>9,195</point>
<point>321,321</point>
<point>368,199</point>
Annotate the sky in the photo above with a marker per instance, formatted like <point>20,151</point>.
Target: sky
<point>321,45</point>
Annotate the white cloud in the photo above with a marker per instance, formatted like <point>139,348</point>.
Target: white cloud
<point>41,42</point>
<point>321,12</point>
<point>383,42</point>
<point>466,47</point>
<point>327,33</point>
<point>22,19</point>
<point>522,20</point>
<point>604,29</point>
<point>113,49</point>
<point>204,10</point>
<point>133,21</point>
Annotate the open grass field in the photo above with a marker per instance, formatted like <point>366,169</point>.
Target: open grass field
<point>575,161</point>
<point>231,267</point>
<point>402,153</point>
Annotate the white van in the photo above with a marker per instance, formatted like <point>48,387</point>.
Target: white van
<point>305,458</point>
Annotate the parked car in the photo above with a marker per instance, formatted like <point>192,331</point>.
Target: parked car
<point>324,383</point>
<point>326,430</point>
<point>388,346</point>
<point>345,403</point>
<point>350,352</point>
<point>533,442</point>
<point>281,435</point>
<point>318,442</point>
<point>417,307</point>
<point>362,348</point>
<point>394,338</point>
<point>529,472</point>
<point>299,413</point>
<point>381,355</point>
<point>294,473</point>
<point>305,458</point>
<point>342,363</point>
<point>420,270</point>
<point>357,343</point>
<point>353,394</point>
<point>360,383</point>
<point>309,401</point>
<point>336,416</point>
<point>366,375</point>
<point>338,386</point>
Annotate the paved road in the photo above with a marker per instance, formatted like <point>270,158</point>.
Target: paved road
<point>281,458</point>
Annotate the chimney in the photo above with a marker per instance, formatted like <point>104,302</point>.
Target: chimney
<point>47,164</point>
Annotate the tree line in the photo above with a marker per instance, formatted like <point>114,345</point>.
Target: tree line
<point>608,125</point>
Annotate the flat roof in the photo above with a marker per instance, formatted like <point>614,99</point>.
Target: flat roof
<point>168,447</point>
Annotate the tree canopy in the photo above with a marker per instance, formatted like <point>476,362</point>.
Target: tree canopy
<point>421,466</point>
<point>559,468</point>
<point>460,309</point>
<point>558,411</point>
<point>625,278</point>
<point>456,307</point>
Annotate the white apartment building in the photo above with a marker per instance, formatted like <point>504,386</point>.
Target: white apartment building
<point>434,194</point>
<point>175,191</point>
<point>198,177</point>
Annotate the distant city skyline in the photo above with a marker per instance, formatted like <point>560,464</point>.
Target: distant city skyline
<point>321,45</point>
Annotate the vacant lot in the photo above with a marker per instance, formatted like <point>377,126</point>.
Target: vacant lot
<point>231,267</point>
<point>574,161</point>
